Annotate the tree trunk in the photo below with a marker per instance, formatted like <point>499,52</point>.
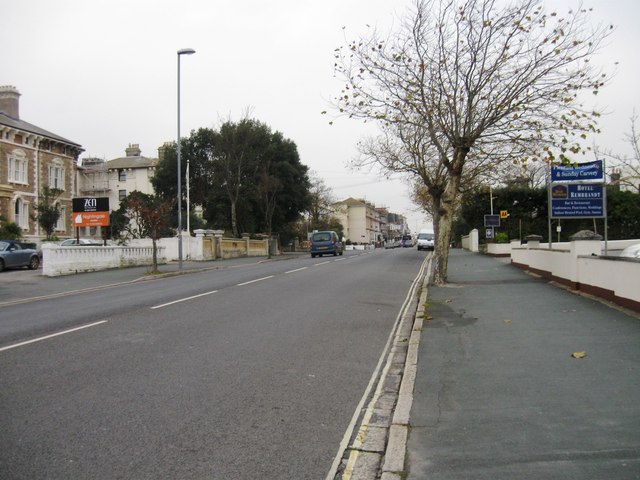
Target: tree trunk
<point>155,254</point>
<point>443,227</point>
<point>234,220</point>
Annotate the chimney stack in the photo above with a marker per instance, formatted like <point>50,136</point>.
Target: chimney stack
<point>10,101</point>
<point>133,150</point>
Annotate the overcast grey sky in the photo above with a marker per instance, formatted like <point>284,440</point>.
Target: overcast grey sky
<point>102,73</point>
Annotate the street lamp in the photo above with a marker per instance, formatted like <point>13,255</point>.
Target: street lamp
<point>184,51</point>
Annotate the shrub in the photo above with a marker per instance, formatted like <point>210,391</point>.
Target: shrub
<point>502,237</point>
<point>10,231</point>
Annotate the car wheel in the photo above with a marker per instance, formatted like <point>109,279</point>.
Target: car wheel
<point>313,255</point>
<point>1,265</point>
<point>34,263</point>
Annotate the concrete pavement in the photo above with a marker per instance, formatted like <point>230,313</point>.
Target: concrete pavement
<point>499,393</point>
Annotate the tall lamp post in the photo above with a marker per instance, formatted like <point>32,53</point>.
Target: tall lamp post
<point>184,51</point>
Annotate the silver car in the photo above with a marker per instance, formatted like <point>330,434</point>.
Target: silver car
<point>631,252</point>
<point>14,254</point>
<point>84,242</point>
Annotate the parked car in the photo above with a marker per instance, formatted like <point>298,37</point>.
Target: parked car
<point>326,242</point>
<point>14,254</point>
<point>84,242</point>
<point>425,240</point>
<point>632,251</point>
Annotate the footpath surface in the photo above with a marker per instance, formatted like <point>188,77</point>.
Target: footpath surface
<point>499,392</point>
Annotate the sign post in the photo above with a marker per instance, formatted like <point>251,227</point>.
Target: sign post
<point>90,212</point>
<point>578,191</point>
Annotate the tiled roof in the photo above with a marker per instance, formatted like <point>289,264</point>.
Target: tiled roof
<point>132,162</point>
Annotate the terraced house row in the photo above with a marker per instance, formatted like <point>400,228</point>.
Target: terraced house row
<point>32,158</point>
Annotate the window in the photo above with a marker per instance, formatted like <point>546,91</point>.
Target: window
<point>18,167</point>
<point>122,194</point>
<point>122,175</point>
<point>21,214</point>
<point>56,177</point>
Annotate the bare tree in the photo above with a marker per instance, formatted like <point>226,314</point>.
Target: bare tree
<point>483,82</point>
<point>148,217</point>
<point>627,167</point>
<point>321,200</point>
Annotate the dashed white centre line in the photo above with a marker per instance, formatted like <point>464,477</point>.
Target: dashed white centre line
<point>39,339</point>
<point>321,263</point>
<point>296,270</point>
<point>184,299</point>
<point>254,281</point>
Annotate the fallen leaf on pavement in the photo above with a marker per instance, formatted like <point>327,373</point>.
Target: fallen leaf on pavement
<point>506,321</point>
<point>579,354</point>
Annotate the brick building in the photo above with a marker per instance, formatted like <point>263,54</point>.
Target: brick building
<point>31,158</point>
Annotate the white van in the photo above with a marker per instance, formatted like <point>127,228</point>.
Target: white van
<point>426,240</point>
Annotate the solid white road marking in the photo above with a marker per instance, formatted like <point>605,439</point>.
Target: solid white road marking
<point>254,281</point>
<point>39,339</point>
<point>184,299</point>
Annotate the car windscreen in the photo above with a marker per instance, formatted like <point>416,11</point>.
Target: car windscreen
<point>321,237</point>
<point>425,236</point>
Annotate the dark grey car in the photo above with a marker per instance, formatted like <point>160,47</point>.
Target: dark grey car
<point>14,254</point>
<point>325,243</point>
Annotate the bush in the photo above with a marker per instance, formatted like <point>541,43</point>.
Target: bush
<point>10,231</point>
<point>502,237</point>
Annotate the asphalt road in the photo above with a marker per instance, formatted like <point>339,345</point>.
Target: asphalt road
<point>249,372</point>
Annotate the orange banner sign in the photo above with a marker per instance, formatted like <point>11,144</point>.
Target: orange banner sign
<point>91,219</point>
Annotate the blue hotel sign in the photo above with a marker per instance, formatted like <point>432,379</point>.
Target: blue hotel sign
<point>577,201</point>
<point>577,172</point>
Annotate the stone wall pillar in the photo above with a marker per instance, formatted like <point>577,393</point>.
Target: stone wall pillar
<point>217,243</point>
<point>585,242</point>
<point>247,239</point>
<point>533,241</point>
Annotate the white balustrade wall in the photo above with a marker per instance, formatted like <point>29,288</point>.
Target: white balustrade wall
<point>57,260</point>
<point>582,265</point>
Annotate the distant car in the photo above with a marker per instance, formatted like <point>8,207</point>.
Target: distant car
<point>14,254</point>
<point>392,244</point>
<point>632,251</point>
<point>425,241</point>
<point>407,241</point>
<point>84,242</point>
<point>326,242</point>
